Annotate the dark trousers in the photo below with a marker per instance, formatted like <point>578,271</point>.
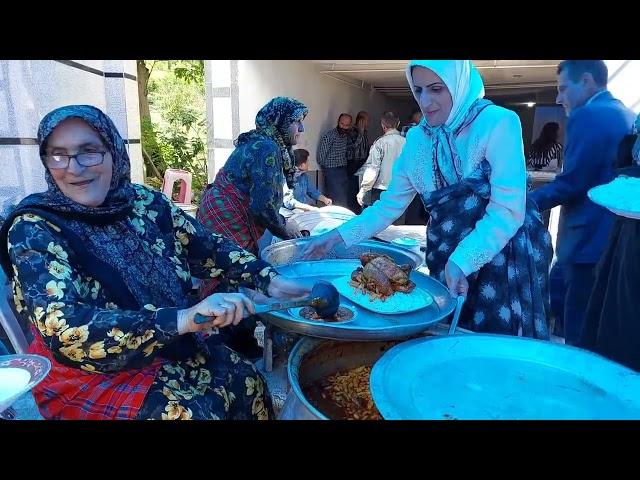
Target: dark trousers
<point>375,196</point>
<point>354,188</point>
<point>336,185</point>
<point>578,279</point>
<point>557,294</point>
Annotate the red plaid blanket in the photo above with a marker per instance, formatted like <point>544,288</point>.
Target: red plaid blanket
<point>225,210</point>
<point>73,394</point>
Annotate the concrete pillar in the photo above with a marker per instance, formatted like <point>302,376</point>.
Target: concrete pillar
<point>29,89</point>
<point>223,116</point>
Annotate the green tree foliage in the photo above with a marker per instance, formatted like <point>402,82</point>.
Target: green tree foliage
<point>175,135</point>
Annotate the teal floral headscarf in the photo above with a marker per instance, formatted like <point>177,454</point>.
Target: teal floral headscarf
<point>273,121</point>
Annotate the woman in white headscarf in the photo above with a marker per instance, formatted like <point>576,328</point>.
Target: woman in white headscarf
<point>466,161</point>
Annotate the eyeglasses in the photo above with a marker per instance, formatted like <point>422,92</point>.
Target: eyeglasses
<point>85,159</point>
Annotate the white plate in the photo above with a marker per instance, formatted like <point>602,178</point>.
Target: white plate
<point>621,196</point>
<point>397,303</point>
<point>12,382</point>
<point>405,241</point>
<point>18,375</point>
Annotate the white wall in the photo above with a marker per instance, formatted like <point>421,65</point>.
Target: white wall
<point>261,80</point>
<point>624,82</point>
<point>29,89</point>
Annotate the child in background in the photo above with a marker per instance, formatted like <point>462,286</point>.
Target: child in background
<point>303,187</point>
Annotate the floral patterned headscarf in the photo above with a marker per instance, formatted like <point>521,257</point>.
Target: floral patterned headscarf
<point>104,241</point>
<point>119,200</point>
<point>273,121</point>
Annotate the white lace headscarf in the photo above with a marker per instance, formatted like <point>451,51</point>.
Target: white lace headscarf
<point>466,87</point>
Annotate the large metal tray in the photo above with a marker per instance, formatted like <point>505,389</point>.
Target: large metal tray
<point>498,377</point>
<point>288,251</point>
<point>365,325</point>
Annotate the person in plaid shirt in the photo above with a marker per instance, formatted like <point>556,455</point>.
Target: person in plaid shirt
<point>103,270</point>
<point>332,158</point>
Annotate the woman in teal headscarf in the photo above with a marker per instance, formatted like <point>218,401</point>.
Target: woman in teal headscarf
<point>466,161</point>
<point>246,196</point>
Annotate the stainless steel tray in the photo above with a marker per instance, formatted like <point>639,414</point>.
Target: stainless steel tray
<point>501,377</point>
<point>288,251</point>
<point>309,220</point>
<point>365,325</point>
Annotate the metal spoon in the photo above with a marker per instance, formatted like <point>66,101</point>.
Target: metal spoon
<point>324,299</point>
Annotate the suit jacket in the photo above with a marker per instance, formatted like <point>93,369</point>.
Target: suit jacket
<point>594,133</point>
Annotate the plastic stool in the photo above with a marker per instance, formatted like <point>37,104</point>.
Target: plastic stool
<point>171,176</point>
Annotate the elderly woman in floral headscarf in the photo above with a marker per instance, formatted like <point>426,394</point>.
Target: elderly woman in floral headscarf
<point>244,199</point>
<point>466,161</point>
<point>102,268</point>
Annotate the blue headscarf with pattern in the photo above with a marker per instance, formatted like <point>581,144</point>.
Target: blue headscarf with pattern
<point>273,121</point>
<point>119,200</point>
<point>105,244</point>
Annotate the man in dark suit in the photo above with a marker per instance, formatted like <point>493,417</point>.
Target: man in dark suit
<point>596,125</point>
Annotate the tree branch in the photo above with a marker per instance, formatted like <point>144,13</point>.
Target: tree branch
<point>155,170</point>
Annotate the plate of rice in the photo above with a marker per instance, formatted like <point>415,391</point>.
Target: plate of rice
<point>621,196</point>
<point>397,303</point>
